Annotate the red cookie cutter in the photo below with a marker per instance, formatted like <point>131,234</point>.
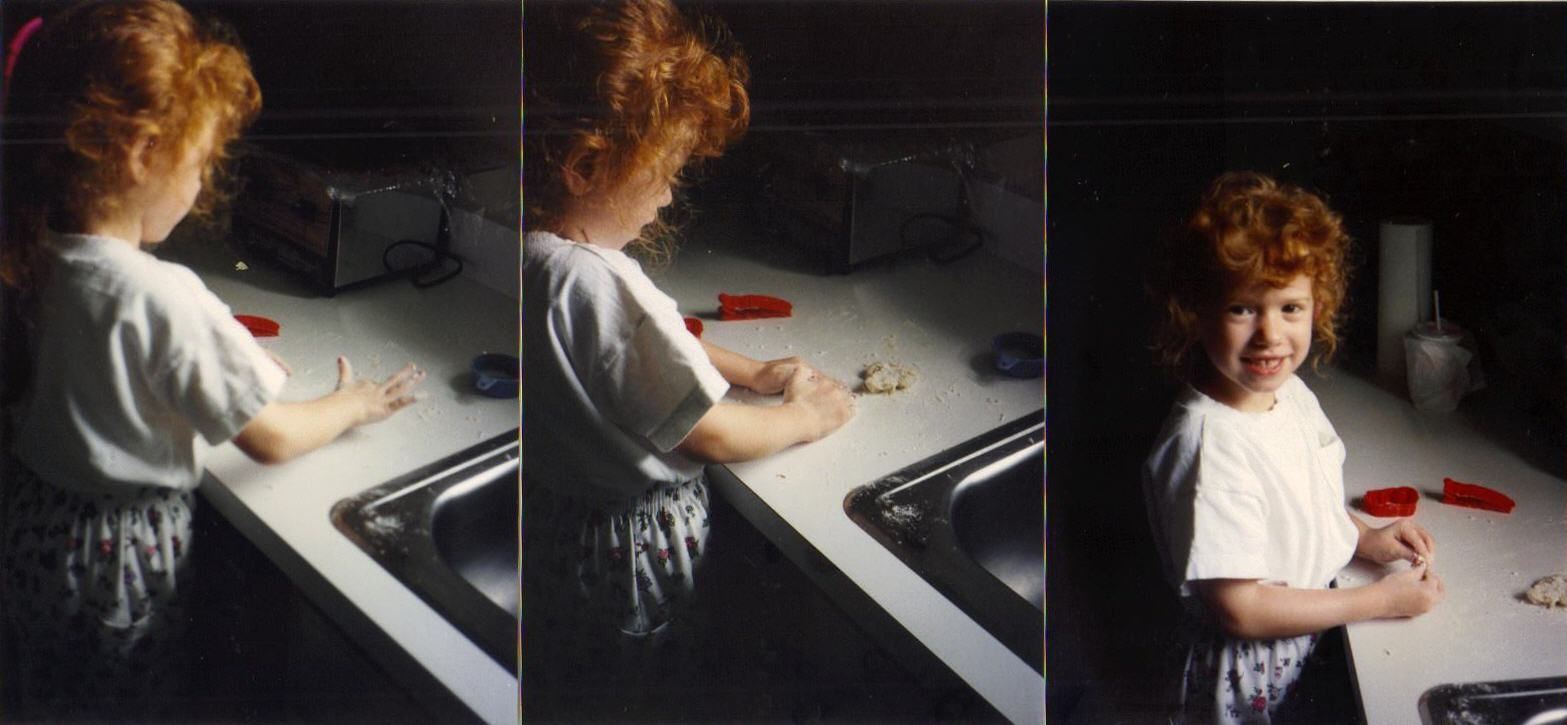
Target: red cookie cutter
<point>694,326</point>
<point>1390,502</point>
<point>258,326</point>
<point>1458,493</point>
<point>752,307</point>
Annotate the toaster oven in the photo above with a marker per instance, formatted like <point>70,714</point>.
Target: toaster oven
<point>853,200</point>
<point>337,227</point>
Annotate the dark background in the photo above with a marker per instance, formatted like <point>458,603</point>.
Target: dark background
<point>406,79</point>
<point>1453,112</point>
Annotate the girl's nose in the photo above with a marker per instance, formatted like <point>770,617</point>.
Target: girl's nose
<point>1267,330</point>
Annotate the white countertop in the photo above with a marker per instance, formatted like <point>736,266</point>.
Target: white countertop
<point>940,320</point>
<point>284,509</point>
<point>1483,631</point>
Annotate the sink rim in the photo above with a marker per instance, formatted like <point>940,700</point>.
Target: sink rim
<point>1438,702</point>
<point>406,548</point>
<point>928,545</point>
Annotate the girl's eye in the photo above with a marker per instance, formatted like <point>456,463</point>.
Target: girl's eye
<point>1238,310</point>
<point>1294,309</point>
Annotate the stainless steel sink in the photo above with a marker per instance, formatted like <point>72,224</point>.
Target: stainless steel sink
<point>449,532</point>
<point>1536,701</point>
<point>970,521</point>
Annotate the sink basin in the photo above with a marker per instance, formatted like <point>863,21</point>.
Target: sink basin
<point>1537,701</point>
<point>970,521</point>
<point>448,531</point>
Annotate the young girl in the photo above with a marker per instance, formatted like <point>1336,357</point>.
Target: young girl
<point>1245,484</point>
<point>624,405</point>
<point>118,113</point>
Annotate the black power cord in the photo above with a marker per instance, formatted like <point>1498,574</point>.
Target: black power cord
<point>432,270</point>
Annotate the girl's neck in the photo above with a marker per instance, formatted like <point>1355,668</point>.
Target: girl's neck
<point>127,233</point>
<point>121,228</point>
<point>582,234</point>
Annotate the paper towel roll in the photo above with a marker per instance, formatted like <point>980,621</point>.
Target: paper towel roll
<point>1403,290</point>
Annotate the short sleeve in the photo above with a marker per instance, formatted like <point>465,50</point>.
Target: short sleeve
<point>1229,512</point>
<point>214,372</point>
<point>643,370</point>
<point>662,383</point>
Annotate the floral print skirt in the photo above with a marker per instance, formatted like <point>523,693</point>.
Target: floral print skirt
<point>604,584</point>
<point>90,584</point>
<point>1228,680</point>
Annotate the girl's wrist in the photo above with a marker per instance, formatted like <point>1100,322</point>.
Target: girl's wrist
<point>751,371</point>
<point>807,426</point>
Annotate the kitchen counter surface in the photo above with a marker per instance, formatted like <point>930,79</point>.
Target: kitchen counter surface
<point>937,319</point>
<point>284,509</point>
<point>1484,630</point>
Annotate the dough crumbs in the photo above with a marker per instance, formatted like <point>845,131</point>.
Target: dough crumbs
<point>1548,591</point>
<point>880,377</point>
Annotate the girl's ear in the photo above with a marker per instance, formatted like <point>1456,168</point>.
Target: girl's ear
<point>140,163</point>
<point>577,171</point>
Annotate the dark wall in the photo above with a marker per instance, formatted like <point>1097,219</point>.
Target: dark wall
<point>872,64</point>
<point>427,75</point>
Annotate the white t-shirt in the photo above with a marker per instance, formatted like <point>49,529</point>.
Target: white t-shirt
<point>1235,495</point>
<point>133,358</point>
<point>612,380</point>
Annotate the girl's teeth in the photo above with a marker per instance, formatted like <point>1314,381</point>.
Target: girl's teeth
<point>1266,366</point>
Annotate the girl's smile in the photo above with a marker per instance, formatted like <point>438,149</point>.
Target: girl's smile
<point>1255,339</point>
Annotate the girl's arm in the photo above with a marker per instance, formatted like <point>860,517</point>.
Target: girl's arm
<point>282,431</point>
<point>768,378</point>
<point>814,405</point>
<point>1249,609</point>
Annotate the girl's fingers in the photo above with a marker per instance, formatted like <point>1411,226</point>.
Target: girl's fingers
<point>345,372</point>
<point>404,379</point>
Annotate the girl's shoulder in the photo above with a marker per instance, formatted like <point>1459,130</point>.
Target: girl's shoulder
<point>115,267</point>
<point>1197,421</point>
<point>549,260</point>
<point>557,268</point>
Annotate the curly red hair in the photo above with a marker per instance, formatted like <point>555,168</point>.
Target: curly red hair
<point>1249,229</point>
<point>616,90</point>
<point>97,80</point>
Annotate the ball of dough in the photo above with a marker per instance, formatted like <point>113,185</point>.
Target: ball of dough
<point>1549,591</point>
<point>880,377</point>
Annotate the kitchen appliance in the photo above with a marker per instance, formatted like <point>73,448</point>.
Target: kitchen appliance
<point>341,227</point>
<point>854,198</point>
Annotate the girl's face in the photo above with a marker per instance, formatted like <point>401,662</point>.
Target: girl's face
<point>170,195</point>
<point>1255,339</point>
<point>616,218</point>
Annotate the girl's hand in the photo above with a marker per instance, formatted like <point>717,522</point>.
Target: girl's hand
<point>1402,539</point>
<point>773,375</point>
<point>378,401</point>
<point>1413,592</point>
<point>827,401</point>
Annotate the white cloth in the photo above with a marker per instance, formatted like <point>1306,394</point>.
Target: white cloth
<point>134,357</point>
<point>1235,495</point>
<point>613,381</point>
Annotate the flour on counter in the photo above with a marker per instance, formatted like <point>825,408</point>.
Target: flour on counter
<point>1548,591</point>
<point>880,377</point>
<point>384,525</point>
